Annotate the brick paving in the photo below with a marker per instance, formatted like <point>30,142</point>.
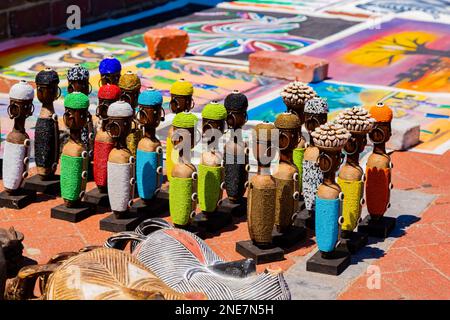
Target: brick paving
<point>417,266</point>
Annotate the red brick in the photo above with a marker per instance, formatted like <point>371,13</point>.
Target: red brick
<point>30,20</point>
<point>60,15</point>
<point>421,234</point>
<point>437,255</point>
<point>103,8</point>
<point>288,66</point>
<point>3,25</point>
<point>385,292</point>
<point>401,259</point>
<point>9,4</point>
<point>436,213</point>
<point>166,43</point>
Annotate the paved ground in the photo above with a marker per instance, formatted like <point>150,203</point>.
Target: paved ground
<point>414,263</point>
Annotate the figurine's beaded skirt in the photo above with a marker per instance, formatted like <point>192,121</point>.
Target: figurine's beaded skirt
<point>71,180</point>
<point>146,176</point>
<point>285,203</point>
<point>235,178</point>
<point>46,140</point>
<point>377,191</point>
<point>312,178</point>
<point>351,206</point>
<point>297,157</point>
<point>180,201</point>
<point>101,153</point>
<point>13,166</point>
<point>133,139</point>
<point>119,186</point>
<point>326,223</point>
<point>209,192</point>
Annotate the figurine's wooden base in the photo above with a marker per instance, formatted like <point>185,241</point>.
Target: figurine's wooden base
<point>289,238</point>
<point>128,222</point>
<point>306,219</point>
<point>380,228</point>
<point>97,198</point>
<point>62,212</point>
<point>20,199</point>
<point>238,209</point>
<point>261,255</point>
<point>334,264</point>
<point>212,221</point>
<point>151,208</point>
<point>353,241</point>
<point>51,186</point>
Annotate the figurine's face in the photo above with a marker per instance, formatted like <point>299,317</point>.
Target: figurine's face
<point>48,94</point>
<point>119,127</point>
<point>181,103</point>
<point>288,139</point>
<point>312,120</point>
<point>102,108</point>
<point>150,116</point>
<point>181,136</point>
<point>236,119</point>
<point>109,78</point>
<point>20,109</point>
<point>75,119</point>
<point>356,144</point>
<point>208,124</point>
<point>297,109</point>
<point>264,152</point>
<point>79,86</point>
<point>129,97</point>
<point>381,132</point>
<point>329,161</point>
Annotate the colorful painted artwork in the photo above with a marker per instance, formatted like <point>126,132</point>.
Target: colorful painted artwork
<point>233,34</point>
<point>435,10</point>
<point>294,6</point>
<point>24,62</point>
<point>432,112</point>
<point>401,53</point>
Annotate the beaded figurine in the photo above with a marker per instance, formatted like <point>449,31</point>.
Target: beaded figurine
<point>358,122</point>
<point>121,162</point>
<point>109,69</point>
<point>16,150</point>
<point>329,138</point>
<point>183,182</point>
<point>46,137</point>
<point>181,100</point>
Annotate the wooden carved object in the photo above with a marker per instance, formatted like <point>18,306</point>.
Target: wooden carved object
<point>109,69</point>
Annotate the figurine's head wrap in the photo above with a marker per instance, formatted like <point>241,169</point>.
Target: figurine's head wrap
<point>330,135</point>
<point>381,113</point>
<point>297,93</point>
<point>214,111</point>
<point>109,65</point>
<point>22,90</point>
<point>78,73</point>
<point>236,101</point>
<point>182,88</point>
<point>356,119</point>
<point>47,77</point>
<point>316,105</point>
<point>185,120</point>
<point>264,127</point>
<point>129,81</point>
<point>287,120</point>
<point>76,101</point>
<point>120,109</point>
<point>109,92</point>
<point>150,97</point>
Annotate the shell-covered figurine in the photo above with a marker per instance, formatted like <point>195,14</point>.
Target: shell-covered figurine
<point>295,95</point>
<point>329,138</point>
<point>97,274</point>
<point>130,86</point>
<point>286,174</point>
<point>262,189</point>
<point>121,163</point>
<point>210,169</point>
<point>46,137</point>
<point>109,69</point>
<point>236,150</point>
<point>16,150</point>
<point>103,143</point>
<point>186,263</point>
<point>181,93</point>
<point>316,111</point>
<point>379,166</point>
<point>359,123</point>
<point>183,182</point>
<point>74,158</point>
<point>149,156</point>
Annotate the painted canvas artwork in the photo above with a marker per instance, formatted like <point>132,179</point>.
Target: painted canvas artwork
<point>234,34</point>
<point>402,53</point>
<point>433,113</point>
<point>296,6</point>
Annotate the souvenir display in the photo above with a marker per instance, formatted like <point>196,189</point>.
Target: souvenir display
<point>378,176</point>
<point>12,249</point>
<point>16,150</point>
<point>186,263</point>
<point>109,69</point>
